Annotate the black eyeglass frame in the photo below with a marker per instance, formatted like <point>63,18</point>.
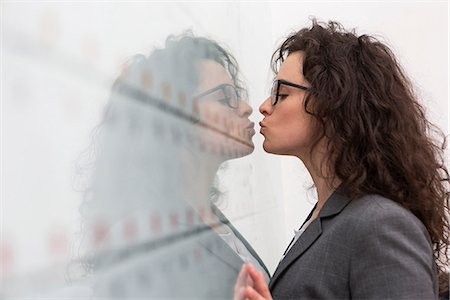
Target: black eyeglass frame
<point>222,87</point>
<point>275,94</point>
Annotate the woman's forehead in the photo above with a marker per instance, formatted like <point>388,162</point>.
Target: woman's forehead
<point>292,68</point>
<point>212,74</point>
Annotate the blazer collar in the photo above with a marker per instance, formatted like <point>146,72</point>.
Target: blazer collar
<point>333,206</point>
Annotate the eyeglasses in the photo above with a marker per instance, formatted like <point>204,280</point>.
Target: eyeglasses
<point>275,92</point>
<point>229,96</point>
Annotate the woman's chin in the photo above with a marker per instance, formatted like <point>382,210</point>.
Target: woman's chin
<point>272,150</point>
<point>266,147</point>
<point>249,149</point>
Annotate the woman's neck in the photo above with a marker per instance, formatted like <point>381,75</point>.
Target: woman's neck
<point>324,178</point>
<point>197,172</point>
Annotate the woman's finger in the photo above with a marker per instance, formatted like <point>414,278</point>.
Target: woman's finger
<point>241,279</point>
<point>239,293</point>
<point>251,294</point>
<point>259,282</point>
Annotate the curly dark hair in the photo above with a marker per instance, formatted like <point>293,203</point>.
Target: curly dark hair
<point>379,139</point>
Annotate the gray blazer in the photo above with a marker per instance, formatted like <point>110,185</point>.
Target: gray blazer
<point>368,248</point>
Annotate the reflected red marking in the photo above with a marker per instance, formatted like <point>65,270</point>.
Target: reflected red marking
<point>189,216</point>
<point>147,80</point>
<point>195,107</point>
<point>90,50</point>
<point>49,28</point>
<point>215,118</point>
<point>155,223</point>
<point>174,220</point>
<point>206,112</point>
<point>57,242</point>
<point>181,100</point>
<point>129,230</point>
<point>227,124</point>
<point>205,214</point>
<point>6,258</point>
<point>166,91</point>
<point>100,234</point>
<point>124,70</point>
<point>202,213</point>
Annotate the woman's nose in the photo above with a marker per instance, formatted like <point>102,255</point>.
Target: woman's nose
<point>265,107</point>
<point>244,110</point>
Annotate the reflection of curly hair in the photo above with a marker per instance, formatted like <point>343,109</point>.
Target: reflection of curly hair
<point>379,139</point>
<point>176,64</point>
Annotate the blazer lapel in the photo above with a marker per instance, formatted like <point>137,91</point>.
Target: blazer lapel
<point>301,245</point>
<point>218,248</point>
<point>334,205</point>
<point>307,219</point>
<point>250,249</point>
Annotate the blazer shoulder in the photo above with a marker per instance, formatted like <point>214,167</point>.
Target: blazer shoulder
<point>374,210</point>
<point>374,206</point>
<point>395,246</point>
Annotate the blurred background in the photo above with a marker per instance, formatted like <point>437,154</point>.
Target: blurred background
<point>59,61</point>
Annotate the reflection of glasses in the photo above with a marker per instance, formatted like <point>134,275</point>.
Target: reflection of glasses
<point>229,95</point>
<point>275,92</point>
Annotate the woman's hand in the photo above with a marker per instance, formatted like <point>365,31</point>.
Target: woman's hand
<point>251,285</point>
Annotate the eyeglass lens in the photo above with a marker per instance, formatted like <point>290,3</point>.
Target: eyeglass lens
<point>231,95</point>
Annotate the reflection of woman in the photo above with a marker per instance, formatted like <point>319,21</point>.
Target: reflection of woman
<point>172,119</point>
<point>342,104</point>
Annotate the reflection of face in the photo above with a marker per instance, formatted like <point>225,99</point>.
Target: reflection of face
<point>286,127</point>
<point>214,109</point>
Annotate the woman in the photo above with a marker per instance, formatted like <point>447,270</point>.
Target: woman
<point>342,104</point>
<point>153,231</point>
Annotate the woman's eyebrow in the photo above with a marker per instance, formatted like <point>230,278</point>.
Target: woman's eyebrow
<point>286,87</point>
